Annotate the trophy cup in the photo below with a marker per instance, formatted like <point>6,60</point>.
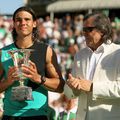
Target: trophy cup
<point>21,92</point>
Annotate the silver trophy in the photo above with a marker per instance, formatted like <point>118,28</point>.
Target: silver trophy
<point>19,57</point>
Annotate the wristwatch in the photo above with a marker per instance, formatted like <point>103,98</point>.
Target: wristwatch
<point>43,79</point>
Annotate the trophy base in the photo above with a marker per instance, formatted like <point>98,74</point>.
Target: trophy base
<point>21,93</point>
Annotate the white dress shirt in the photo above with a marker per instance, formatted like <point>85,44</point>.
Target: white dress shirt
<point>93,61</point>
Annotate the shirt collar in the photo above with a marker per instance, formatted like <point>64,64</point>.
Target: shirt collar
<point>100,49</point>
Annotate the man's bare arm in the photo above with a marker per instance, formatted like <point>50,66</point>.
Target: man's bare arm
<point>54,80</point>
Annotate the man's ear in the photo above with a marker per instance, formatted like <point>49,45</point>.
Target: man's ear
<point>34,24</point>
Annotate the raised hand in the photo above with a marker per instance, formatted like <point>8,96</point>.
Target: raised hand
<point>73,82</point>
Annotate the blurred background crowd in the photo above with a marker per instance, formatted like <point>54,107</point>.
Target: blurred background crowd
<point>64,34</point>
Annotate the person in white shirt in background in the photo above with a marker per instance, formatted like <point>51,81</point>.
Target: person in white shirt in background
<point>5,33</point>
<point>95,77</point>
<point>48,24</point>
<point>65,109</point>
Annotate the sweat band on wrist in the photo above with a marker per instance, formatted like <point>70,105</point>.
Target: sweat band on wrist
<point>43,79</point>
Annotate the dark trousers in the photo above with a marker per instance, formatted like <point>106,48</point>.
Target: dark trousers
<point>5,117</point>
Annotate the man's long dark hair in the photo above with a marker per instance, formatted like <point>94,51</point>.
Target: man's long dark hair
<point>35,34</point>
<point>102,23</point>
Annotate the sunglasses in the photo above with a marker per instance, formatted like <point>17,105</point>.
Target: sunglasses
<point>88,29</point>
